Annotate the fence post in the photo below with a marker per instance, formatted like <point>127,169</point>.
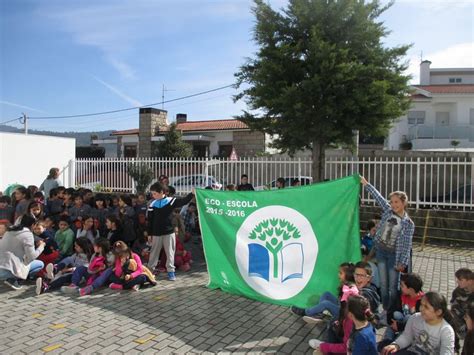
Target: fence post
<point>72,173</point>
<point>299,169</point>
<point>206,168</point>
<point>418,174</point>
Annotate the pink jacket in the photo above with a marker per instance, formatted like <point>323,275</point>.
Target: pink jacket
<point>118,266</point>
<point>95,268</point>
<point>340,348</point>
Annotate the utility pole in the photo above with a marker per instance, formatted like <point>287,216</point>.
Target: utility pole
<point>25,122</point>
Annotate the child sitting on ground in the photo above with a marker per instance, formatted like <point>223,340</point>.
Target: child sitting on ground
<point>407,304</point>
<point>362,339</point>
<point>427,332</point>
<point>340,330</point>
<point>96,267</point>
<point>61,274</point>
<point>64,237</point>
<point>462,296</point>
<point>129,273</point>
<point>50,252</point>
<point>363,278</point>
<point>328,302</point>
<point>142,246</point>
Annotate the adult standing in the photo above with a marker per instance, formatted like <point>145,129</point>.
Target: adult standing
<point>393,241</point>
<point>51,182</point>
<point>18,254</point>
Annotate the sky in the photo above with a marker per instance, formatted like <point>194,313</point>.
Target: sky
<point>73,57</point>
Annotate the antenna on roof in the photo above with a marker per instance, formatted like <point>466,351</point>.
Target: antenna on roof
<point>421,56</point>
<point>163,96</point>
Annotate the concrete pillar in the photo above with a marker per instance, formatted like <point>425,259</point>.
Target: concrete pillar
<point>151,121</point>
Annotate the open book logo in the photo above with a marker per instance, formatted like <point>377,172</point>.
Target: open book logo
<point>276,251</point>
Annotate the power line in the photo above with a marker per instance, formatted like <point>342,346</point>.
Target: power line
<point>15,119</point>
<point>130,108</point>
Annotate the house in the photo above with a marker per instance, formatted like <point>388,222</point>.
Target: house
<point>442,111</point>
<point>209,138</point>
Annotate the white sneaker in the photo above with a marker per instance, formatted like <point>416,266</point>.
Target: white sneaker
<point>315,343</point>
<point>313,320</point>
<point>50,271</point>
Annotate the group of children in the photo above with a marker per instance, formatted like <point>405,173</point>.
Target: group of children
<point>417,323</point>
<point>92,241</point>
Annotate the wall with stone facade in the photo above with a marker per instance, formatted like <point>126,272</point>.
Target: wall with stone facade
<point>247,143</point>
<point>151,120</point>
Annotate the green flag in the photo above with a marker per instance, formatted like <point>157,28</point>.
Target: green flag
<point>280,246</point>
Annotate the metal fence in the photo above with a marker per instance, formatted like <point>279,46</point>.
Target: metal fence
<point>429,182</point>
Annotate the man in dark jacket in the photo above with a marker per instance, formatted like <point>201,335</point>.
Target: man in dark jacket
<point>160,227</point>
<point>244,184</point>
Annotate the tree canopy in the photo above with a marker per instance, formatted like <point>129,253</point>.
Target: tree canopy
<point>320,72</point>
<point>173,145</point>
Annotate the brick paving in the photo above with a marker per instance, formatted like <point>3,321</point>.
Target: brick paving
<point>179,317</point>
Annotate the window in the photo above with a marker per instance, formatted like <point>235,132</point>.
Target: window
<point>416,117</point>
<point>455,80</point>
<point>458,80</point>
<point>130,151</point>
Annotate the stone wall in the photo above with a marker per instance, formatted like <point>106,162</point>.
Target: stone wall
<point>247,143</point>
<point>151,120</point>
<point>445,227</point>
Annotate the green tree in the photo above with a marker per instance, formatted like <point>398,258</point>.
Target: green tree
<point>320,72</point>
<point>142,174</point>
<point>273,232</point>
<point>173,145</point>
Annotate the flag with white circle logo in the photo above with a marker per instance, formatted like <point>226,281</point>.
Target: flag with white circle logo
<point>280,246</point>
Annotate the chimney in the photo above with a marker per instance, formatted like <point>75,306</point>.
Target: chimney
<point>151,120</point>
<point>181,118</point>
<point>425,72</point>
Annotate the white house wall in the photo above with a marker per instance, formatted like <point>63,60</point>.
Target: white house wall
<point>26,159</point>
<point>458,106</point>
<point>219,137</point>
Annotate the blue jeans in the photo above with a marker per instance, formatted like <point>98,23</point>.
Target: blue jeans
<point>35,267</point>
<point>389,277</point>
<point>78,274</point>
<point>326,302</point>
<point>102,279</point>
<point>375,274</point>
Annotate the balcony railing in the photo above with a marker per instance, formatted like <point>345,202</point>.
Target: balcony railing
<point>441,132</point>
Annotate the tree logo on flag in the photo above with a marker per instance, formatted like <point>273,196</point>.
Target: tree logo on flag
<point>276,251</point>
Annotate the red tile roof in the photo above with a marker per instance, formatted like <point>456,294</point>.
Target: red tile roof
<point>448,89</point>
<point>217,125</point>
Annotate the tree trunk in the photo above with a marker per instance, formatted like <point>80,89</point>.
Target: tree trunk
<point>319,161</point>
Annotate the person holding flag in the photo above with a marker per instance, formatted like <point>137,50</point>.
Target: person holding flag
<point>393,241</point>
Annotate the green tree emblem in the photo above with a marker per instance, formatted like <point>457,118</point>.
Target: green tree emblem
<point>274,232</point>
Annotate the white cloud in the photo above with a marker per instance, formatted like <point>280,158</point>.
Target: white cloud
<point>3,102</point>
<point>438,5</point>
<point>119,93</point>
<point>457,56</point>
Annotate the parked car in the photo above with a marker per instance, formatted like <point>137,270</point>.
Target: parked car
<point>186,183</point>
<point>461,195</point>
<point>305,180</point>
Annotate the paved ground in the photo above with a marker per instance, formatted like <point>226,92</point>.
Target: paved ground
<point>178,317</point>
